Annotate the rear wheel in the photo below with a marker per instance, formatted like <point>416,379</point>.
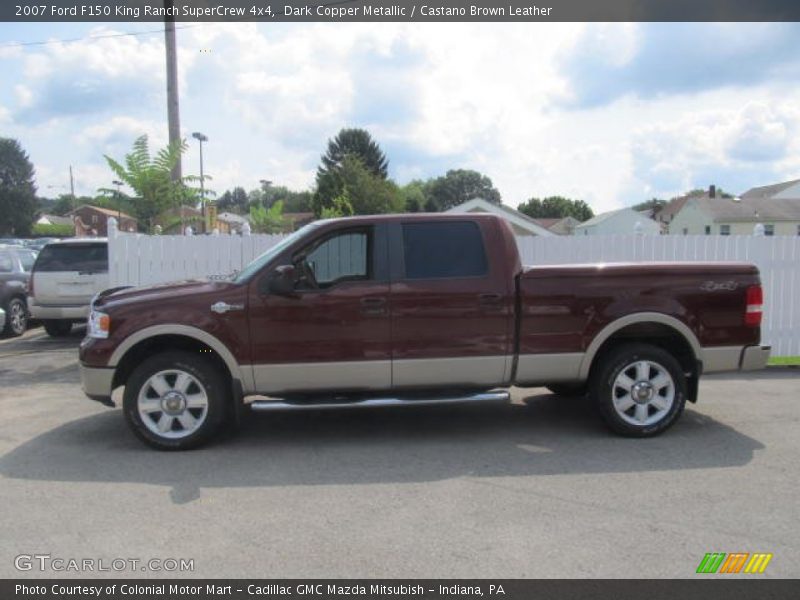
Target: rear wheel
<point>57,327</point>
<point>16,318</point>
<point>639,389</point>
<point>176,400</point>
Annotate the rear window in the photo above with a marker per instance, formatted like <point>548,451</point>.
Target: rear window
<point>73,257</point>
<point>27,259</point>
<point>443,250</point>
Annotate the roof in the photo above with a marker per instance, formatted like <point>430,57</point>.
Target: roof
<point>672,208</point>
<point>602,217</point>
<point>506,212</point>
<point>768,191</point>
<point>106,211</point>
<point>547,223</point>
<point>56,220</point>
<point>750,210</point>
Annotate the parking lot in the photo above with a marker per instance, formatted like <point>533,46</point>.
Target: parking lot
<point>537,488</point>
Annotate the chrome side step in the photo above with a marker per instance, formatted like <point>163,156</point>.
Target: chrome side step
<point>280,405</point>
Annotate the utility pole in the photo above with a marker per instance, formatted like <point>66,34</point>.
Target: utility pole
<point>173,108</point>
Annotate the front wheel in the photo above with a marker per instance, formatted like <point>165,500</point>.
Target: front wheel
<point>175,400</point>
<point>639,389</point>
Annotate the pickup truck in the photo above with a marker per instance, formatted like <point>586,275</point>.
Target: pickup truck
<point>410,310</point>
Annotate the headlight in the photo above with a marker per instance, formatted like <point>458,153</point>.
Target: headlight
<point>99,324</point>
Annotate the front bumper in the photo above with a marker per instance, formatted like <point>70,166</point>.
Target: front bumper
<point>97,383</point>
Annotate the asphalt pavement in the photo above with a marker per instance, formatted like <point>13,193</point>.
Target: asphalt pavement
<point>536,488</point>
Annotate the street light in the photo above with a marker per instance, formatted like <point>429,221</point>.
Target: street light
<point>201,138</point>
<point>265,183</point>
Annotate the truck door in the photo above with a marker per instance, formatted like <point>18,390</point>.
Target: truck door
<point>452,302</point>
<point>333,333</point>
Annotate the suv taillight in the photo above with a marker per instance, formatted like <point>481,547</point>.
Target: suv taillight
<point>755,306</point>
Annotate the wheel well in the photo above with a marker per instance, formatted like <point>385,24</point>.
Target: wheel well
<point>163,343</point>
<point>660,335</point>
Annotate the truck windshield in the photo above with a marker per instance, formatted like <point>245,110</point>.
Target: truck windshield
<point>256,265</point>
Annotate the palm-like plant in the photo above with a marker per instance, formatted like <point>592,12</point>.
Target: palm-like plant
<point>150,179</point>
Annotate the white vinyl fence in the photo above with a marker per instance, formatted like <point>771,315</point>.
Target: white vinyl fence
<point>142,260</point>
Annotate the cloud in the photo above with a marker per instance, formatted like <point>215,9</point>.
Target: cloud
<point>657,59</point>
<point>92,77</point>
<point>733,148</point>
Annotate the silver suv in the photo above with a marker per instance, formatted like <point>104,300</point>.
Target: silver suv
<point>65,278</point>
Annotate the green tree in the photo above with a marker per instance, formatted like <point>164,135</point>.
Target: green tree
<point>414,195</point>
<point>235,201</point>
<point>654,204</point>
<point>17,189</point>
<point>367,193</point>
<point>341,207</point>
<point>556,207</point>
<point>354,142</point>
<point>458,186</point>
<point>150,179</point>
<point>267,220</point>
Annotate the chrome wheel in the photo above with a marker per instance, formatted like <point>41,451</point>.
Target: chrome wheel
<point>172,404</point>
<point>17,318</point>
<point>643,393</point>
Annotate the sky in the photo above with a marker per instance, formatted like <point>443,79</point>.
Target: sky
<point>613,114</point>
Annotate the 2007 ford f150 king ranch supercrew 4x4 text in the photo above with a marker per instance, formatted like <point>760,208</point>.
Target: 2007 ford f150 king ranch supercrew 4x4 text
<point>401,309</point>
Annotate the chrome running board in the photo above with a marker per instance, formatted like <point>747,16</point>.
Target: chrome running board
<point>280,405</point>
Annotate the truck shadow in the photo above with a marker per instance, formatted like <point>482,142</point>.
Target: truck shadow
<point>544,435</point>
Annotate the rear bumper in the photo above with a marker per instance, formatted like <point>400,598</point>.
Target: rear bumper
<point>735,358</point>
<point>76,313</point>
<point>97,383</point>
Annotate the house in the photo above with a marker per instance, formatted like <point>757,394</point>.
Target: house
<point>46,219</point>
<point>228,222</point>
<point>93,221</point>
<point>775,207</point>
<point>560,226</point>
<point>622,221</point>
<point>521,224</point>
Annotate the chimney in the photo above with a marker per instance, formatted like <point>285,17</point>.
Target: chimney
<point>712,191</point>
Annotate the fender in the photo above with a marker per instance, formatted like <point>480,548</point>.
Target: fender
<point>642,317</point>
<point>246,377</point>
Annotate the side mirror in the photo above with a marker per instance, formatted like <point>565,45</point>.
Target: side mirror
<point>281,281</point>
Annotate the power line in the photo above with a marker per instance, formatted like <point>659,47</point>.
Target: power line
<point>89,38</point>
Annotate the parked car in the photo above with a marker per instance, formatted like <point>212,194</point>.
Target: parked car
<point>11,242</point>
<point>15,267</point>
<point>39,243</point>
<point>65,277</point>
<point>411,310</point>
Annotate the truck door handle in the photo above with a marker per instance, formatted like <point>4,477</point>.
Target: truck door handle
<point>373,305</point>
<point>222,307</point>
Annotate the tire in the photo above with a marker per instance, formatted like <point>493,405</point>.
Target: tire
<point>567,389</point>
<point>655,385</point>
<point>57,327</point>
<point>176,400</point>
<point>16,318</point>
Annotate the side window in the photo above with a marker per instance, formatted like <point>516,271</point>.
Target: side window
<point>724,229</point>
<point>447,249</point>
<point>342,257</point>
<point>27,259</point>
<point>769,229</point>
<point>6,264</point>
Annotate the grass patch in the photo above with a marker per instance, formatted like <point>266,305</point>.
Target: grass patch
<point>783,361</point>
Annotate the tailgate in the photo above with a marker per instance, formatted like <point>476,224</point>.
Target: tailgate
<point>70,274</point>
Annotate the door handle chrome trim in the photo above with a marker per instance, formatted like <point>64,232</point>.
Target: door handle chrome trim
<point>222,307</point>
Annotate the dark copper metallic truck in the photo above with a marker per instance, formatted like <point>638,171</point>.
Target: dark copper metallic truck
<point>401,309</point>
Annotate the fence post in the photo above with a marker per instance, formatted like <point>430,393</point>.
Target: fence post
<point>189,231</point>
<point>758,230</point>
<point>111,228</point>
<point>246,228</point>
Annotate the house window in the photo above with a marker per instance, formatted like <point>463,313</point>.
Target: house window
<point>685,231</point>
<point>94,219</point>
<point>708,229</point>
<point>769,229</point>
<point>798,230</point>
<point>724,229</point>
